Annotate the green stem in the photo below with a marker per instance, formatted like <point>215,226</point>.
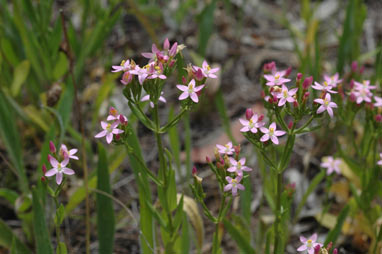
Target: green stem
<point>305,125</point>
<point>58,231</point>
<point>278,215</point>
<point>216,242</point>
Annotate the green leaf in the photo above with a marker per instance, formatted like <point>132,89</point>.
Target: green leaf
<point>105,211</point>
<point>237,236</point>
<point>60,215</point>
<point>9,195</point>
<point>173,136</point>
<point>10,241</point>
<point>206,25</point>
<point>11,139</point>
<point>219,102</point>
<point>9,53</point>
<point>335,232</point>
<point>42,237</point>
<point>19,76</point>
<point>61,66</point>
<point>61,249</point>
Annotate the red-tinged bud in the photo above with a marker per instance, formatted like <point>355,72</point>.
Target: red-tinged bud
<point>50,157</point>
<point>275,99</point>
<point>378,118</point>
<point>198,93</point>
<point>270,100</point>
<point>117,137</point>
<point>271,89</point>
<point>248,114</point>
<point>184,80</point>
<point>295,104</point>
<point>352,84</point>
<point>354,66</point>
<point>222,161</point>
<point>122,119</point>
<point>262,94</point>
<point>52,147</point>
<point>307,82</point>
<point>288,71</point>
<point>269,67</point>
<point>330,245</point>
<point>361,69</point>
<point>290,125</point>
<point>43,179</point>
<point>305,97</point>
<point>199,75</point>
<point>352,97</point>
<point>171,64</point>
<point>335,251</point>
<point>194,171</point>
<point>43,169</point>
<point>317,249</point>
<point>369,105</point>
<point>237,149</point>
<point>219,165</point>
<point>208,160</point>
<point>261,117</point>
<point>299,77</point>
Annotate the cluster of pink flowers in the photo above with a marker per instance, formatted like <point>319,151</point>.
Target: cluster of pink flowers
<point>253,122</point>
<point>110,128</point>
<point>59,163</point>
<point>236,167</point>
<point>311,246</point>
<point>362,92</point>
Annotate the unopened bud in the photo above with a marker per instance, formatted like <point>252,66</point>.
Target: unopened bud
<point>52,147</point>
<point>43,179</point>
<point>262,94</point>
<point>269,67</point>
<point>354,66</point>
<point>295,104</point>
<point>361,69</point>
<point>117,137</point>
<point>208,160</point>
<point>43,169</point>
<point>199,75</point>
<point>248,114</point>
<point>288,71</point>
<point>299,77</point>
<point>113,111</point>
<point>171,64</point>
<point>261,117</point>
<point>330,245</point>
<point>352,97</point>
<point>335,251</point>
<point>352,84</point>
<point>317,249</point>
<point>290,125</point>
<point>184,80</point>
<point>307,82</point>
<point>194,171</point>
<point>122,119</point>
<point>378,118</point>
<point>237,149</point>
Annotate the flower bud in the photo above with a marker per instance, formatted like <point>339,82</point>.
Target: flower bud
<point>317,249</point>
<point>217,155</point>
<point>171,64</point>
<point>295,104</point>
<point>262,94</point>
<point>113,111</point>
<point>43,179</point>
<point>52,147</point>
<point>237,149</point>
<point>288,71</point>
<point>122,119</point>
<point>352,84</point>
<point>378,118</point>
<point>290,125</point>
<point>335,251</point>
<point>184,80</point>
<point>330,245</point>
<point>199,75</point>
<point>352,97</point>
<point>248,114</point>
<point>269,67</point>
<point>261,117</point>
<point>299,76</point>
<point>117,137</point>
<point>194,171</point>
<point>307,82</point>
<point>361,69</point>
<point>354,66</point>
<point>43,169</point>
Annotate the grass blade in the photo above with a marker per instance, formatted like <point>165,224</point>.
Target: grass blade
<point>238,237</point>
<point>9,240</point>
<point>333,235</point>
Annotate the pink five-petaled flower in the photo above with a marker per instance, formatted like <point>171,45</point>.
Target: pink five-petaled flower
<point>207,71</point>
<point>362,94</point>
<point>226,149</point>
<point>326,104</point>
<point>271,133</point>
<point>124,66</point>
<point>286,96</point>
<point>276,79</point>
<point>190,91</point>
<point>252,125</point>
<point>70,153</point>
<point>331,165</point>
<point>333,80</point>
<point>142,73</point>
<point>233,185</point>
<point>153,54</point>
<point>147,98</point>
<point>309,244</point>
<point>238,166</point>
<point>59,168</point>
<point>380,161</point>
<point>109,130</point>
<point>325,87</point>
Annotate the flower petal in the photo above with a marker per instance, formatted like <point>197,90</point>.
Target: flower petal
<point>51,172</point>
<point>58,178</point>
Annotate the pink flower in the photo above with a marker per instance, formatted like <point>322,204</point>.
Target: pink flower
<point>325,87</point>
<point>226,149</point>
<point>238,166</point>
<point>326,104</point>
<point>378,101</point>
<point>114,116</point>
<point>331,165</point>
<point>153,54</point>
<point>124,66</point>
<point>233,185</point>
<point>59,168</point>
<point>70,153</point>
<point>108,131</point>
<point>271,133</point>
<point>147,98</point>
<point>365,84</point>
<point>286,96</point>
<point>126,78</point>
<point>156,71</point>
<point>207,71</point>
<point>252,125</point>
<point>362,94</point>
<point>141,73</point>
<point>190,91</point>
<point>380,161</point>
<point>332,80</point>
<point>308,244</point>
<point>276,79</point>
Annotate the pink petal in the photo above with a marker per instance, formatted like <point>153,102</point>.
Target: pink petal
<point>145,98</point>
<point>274,139</point>
<point>253,130</point>
<point>109,138</point>
<point>52,161</point>
<point>183,96</point>
<point>320,101</point>
<point>240,186</point>
<point>68,171</point>
<point>231,169</point>
<point>303,239</point>
<point>233,161</point>
<point>281,102</point>
<point>117,131</point>
<point>313,237</point>
<point>273,126</point>
<point>148,55</point>
<point>279,133</point>
<point>228,187</point>
<point>194,97</point>
<point>104,125</point>
<point>234,190</point>
<point>51,172</point>
<point>264,138</point>
<point>330,111</point>
<point>244,129</point>
<point>65,161</point>
<point>228,178</point>
<point>58,178</point>
<point>242,161</point>
<point>264,130</point>
<point>321,109</point>
<point>244,122</point>
<point>182,87</point>
<point>101,134</point>
<point>198,88</point>
<point>302,248</point>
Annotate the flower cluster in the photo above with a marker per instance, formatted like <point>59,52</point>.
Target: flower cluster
<point>233,165</point>
<point>59,161</point>
<point>115,121</point>
<point>311,246</point>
